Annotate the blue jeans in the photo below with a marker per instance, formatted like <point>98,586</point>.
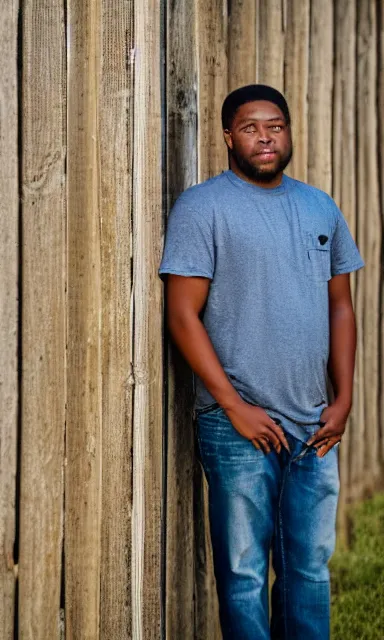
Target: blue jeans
<point>259,502</point>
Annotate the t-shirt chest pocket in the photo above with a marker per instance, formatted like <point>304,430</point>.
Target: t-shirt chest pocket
<point>318,260</point>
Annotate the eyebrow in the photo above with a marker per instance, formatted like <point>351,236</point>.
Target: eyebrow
<point>250,120</point>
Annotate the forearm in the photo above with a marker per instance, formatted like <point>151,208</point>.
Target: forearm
<point>191,338</point>
<point>342,352</point>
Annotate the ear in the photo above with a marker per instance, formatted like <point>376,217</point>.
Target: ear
<point>228,138</point>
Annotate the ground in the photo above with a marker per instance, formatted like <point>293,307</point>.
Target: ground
<point>358,577</point>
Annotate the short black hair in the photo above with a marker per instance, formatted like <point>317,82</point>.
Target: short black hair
<point>250,93</point>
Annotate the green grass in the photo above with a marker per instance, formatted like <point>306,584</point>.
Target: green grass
<point>358,577</point>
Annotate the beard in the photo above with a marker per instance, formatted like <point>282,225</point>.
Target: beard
<point>260,174</point>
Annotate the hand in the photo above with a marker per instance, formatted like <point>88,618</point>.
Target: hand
<point>334,418</point>
<point>255,424</point>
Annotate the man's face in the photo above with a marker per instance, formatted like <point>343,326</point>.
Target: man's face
<point>260,141</point>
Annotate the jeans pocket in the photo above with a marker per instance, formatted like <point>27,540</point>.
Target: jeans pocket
<point>221,444</point>
<point>212,408</point>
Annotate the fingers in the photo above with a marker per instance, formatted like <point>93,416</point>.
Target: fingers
<point>272,438</point>
<point>267,442</point>
<point>278,434</point>
<point>262,444</point>
<point>321,434</point>
<point>326,445</point>
<point>266,445</point>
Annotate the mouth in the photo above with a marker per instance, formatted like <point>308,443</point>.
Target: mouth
<point>266,155</point>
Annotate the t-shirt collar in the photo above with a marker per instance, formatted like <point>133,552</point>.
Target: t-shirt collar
<point>239,182</point>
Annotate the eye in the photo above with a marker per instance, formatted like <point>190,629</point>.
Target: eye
<point>276,128</point>
<point>250,129</point>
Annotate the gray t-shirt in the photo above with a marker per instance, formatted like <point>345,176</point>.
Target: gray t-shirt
<point>269,254</point>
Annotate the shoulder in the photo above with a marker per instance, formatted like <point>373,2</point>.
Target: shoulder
<point>315,196</point>
<point>201,197</point>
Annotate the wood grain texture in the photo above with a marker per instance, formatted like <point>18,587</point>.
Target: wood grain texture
<point>148,356</point>
<point>270,43</point>
<point>296,83</point>
<point>380,18</point>
<point>369,223</point>
<point>43,319</point>
<point>344,193</point>
<point>207,624</point>
<point>211,33</point>
<point>115,108</point>
<point>320,95</point>
<point>241,43</point>
<point>83,434</point>
<point>9,213</point>
<point>180,541</point>
<point>181,173</point>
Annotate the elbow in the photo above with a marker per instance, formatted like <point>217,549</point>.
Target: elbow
<point>343,311</point>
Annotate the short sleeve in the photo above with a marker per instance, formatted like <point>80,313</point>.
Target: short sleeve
<point>189,244</point>
<point>345,256</point>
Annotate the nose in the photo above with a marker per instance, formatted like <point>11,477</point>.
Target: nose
<point>264,135</point>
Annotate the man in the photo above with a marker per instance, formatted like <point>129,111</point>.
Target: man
<point>259,304</point>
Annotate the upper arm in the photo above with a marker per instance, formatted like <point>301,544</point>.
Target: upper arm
<point>186,295</point>
<point>339,292</point>
<point>345,256</point>
<point>189,249</point>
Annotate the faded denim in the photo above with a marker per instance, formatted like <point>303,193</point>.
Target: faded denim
<point>258,502</point>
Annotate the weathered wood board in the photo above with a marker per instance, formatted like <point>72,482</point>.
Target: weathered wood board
<point>212,31</point>
<point>380,103</point>
<point>320,95</point>
<point>9,260</point>
<point>181,114</point>
<point>43,254</point>
<point>83,423</point>
<point>147,510</point>
<point>270,43</point>
<point>296,69</point>
<point>241,43</point>
<point>115,100</point>
<point>344,193</point>
<point>369,226</point>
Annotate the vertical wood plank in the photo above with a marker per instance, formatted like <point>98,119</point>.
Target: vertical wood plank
<point>296,83</point>
<point>344,193</point>
<point>147,292</point>
<point>211,33</point>
<point>207,623</point>
<point>241,43</point>
<point>320,95</point>
<point>270,40</point>
<point>381,169</point>
<point>9,208</point>
<point>180,540</point>
<point>82,484</point>
<point>181,173</point>
<point>369,224</point>
<point>116,150</point>
<point>43,319</point>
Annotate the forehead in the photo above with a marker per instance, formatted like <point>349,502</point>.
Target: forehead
<point>257,110</point>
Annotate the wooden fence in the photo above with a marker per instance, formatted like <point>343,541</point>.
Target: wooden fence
<point>108,110</point>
